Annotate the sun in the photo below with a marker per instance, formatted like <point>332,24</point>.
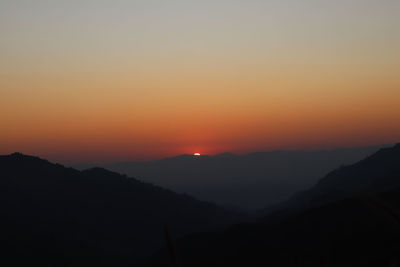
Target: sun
<point>196,154</point>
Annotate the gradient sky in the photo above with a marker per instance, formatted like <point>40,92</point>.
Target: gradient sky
<point>127,80</point>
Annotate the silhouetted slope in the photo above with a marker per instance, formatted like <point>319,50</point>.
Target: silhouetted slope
<point>352,232</point>
<point>377,173</point>
<point>250,181</point>
<point>352,225</point>
<point>57,216</point>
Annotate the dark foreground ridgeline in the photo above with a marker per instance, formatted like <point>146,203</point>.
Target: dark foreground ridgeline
<point>57,216</point>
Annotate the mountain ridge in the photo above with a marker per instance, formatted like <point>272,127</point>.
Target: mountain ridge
<point>376,173</point>
<point>94,216</point>
<point>249,182</point>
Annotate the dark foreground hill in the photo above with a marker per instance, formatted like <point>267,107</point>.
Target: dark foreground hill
<point>57,216</point>
<point>353,224</point>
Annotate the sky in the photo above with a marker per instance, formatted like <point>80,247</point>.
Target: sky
<point>132,80</point>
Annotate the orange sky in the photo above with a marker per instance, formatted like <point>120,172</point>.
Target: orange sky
<point>118,80</point>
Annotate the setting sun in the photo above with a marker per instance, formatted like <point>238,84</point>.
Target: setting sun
<point>196,154</point>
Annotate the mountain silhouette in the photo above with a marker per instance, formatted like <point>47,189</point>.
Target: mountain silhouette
<point>379,172</point>
<point>57,216</point>
<point>249,182</point>
<point>354,220</point>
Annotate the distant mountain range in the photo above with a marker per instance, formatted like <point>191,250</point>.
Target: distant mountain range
<point>248,182</point>
<point>57,216</point>
<point>351,217</point>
